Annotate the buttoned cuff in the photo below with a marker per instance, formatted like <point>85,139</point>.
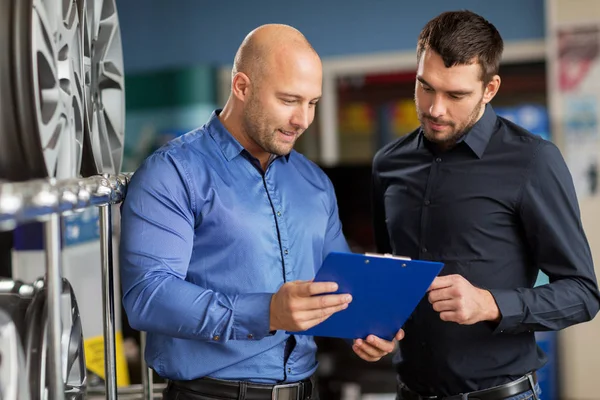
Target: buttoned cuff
<point>251,316</point>
<point>511,310</point>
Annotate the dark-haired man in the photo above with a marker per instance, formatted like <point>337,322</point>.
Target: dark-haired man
<point>493,202</point>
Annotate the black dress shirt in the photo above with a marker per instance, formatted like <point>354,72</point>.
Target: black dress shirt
<point>496,209</point>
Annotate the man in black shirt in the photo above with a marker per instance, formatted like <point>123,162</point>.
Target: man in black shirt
<point>496,204</point>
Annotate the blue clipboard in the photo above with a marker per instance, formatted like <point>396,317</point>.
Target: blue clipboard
<point>385,291</point>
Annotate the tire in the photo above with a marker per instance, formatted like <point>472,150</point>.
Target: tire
<point>11,152</point>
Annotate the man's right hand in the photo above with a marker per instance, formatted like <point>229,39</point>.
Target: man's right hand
<point>296,306</point>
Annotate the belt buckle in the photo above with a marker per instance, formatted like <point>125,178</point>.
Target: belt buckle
<point>292,390</point>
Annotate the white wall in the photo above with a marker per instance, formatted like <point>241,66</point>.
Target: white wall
<point>579,346</point>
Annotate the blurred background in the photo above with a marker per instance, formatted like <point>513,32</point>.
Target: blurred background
<point>178,57</point>
<point>177,65</point>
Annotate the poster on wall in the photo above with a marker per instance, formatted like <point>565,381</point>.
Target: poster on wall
<point>580,127</point>
<point>579,90</point>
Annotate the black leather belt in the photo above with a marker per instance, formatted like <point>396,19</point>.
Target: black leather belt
<point>253,391</point>
<point>501,392</point>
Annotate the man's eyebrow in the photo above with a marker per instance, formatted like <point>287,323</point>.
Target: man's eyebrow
<point>459,93</point>
<point>295,96</point>
<point>451,92</point>
<point>285,94</point>
<point>423,81</point>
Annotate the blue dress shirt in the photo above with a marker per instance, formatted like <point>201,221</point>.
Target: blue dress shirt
<point>207,238</point>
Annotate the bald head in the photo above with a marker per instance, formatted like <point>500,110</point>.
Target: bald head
<point>264,45</point>
<point>276,85</point>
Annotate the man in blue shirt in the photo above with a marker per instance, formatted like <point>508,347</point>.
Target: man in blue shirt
<point>223,230</point>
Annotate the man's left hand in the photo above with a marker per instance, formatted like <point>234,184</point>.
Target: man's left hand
<point>458,301</point>
<point>373,348</point>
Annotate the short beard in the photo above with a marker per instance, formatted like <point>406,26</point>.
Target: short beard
<point>453,139</point>
<point>253,115</point>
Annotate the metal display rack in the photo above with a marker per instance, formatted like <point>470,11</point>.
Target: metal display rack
<point>45,200</point>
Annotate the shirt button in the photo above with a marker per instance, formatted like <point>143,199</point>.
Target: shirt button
<point>279,213</point>
<point>250,336</point>
<point>427,202</point>
<point>424,250</point>
<point>286,252</point>
<point>216,338</point>
<point>438,160</point>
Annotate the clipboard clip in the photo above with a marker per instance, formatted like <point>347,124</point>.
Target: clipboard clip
<point>387,255</point>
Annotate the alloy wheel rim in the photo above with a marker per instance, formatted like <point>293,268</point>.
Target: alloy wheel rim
<point>58,82</point>
<point>107,87</point>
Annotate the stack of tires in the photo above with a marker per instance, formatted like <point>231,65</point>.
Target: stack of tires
<point>62,117</point>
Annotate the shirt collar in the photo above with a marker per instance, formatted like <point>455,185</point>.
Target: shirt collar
<point>480,134</point>
<point>229,145</point>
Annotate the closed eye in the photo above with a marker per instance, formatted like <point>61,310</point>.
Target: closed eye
<point>426,87</point>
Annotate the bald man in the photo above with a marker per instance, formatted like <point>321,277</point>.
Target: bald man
<point>223,230</point>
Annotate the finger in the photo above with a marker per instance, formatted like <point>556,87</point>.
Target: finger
<point>370,350</point>
<point>440,295</point>
<point>327,300</point>
<point>360,349</point>
<point>312,322</point>
<point>400,335</point>
<point>441,282</point>
<point>445,305</point>
<point>314,288</point>
<point>382,345</point>
<point>311,318</point>
<point>361,353</point>
<point>300,281</point>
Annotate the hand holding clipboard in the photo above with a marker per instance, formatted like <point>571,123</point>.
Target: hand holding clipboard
<point>385,290</point>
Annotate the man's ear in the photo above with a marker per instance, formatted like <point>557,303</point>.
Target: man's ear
<point>491,89</point>
<point>240,86</point>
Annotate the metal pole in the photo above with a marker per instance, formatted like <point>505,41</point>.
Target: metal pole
<point>54,286</point>
<point>108,301</point>
<point>147,378</point>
